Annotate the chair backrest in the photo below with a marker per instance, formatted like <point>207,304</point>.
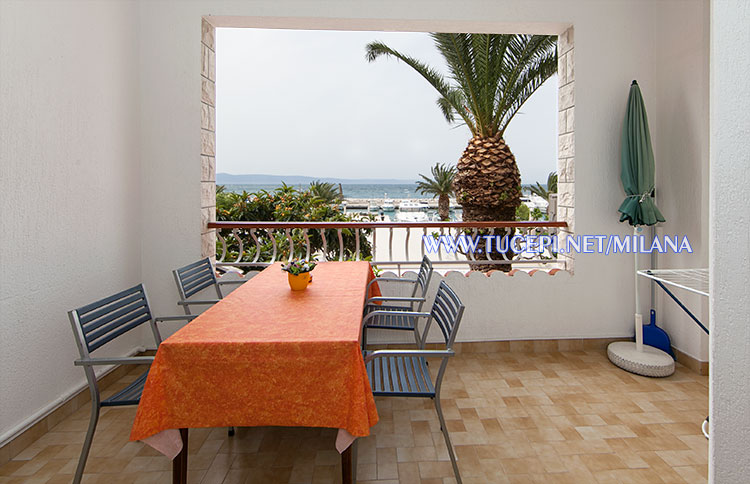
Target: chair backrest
<point>447,311</point>
<point>100,322</point>
<point>423,278</point>
<point>195,277</point>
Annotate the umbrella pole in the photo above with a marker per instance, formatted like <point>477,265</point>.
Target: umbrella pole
<point>638,316</point>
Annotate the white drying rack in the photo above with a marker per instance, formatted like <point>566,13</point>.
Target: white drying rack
<point>693,280</point>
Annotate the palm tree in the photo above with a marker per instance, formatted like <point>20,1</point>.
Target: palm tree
<point>325,191</point>
<point>490,76</point>
<point>545,192</point>
<point>440,185</point>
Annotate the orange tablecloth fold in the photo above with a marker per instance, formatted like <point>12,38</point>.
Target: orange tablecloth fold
<point>265,355</point>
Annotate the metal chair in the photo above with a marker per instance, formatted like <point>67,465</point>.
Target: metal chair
<point>404,373</point>
<point>195,277</point>
<point>397,317</point>
<point>99,323</point>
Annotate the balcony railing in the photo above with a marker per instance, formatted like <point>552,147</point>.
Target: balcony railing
<point>389,245</point>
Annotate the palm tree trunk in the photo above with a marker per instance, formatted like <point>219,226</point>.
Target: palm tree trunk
<point>488,187</point>
<point>444,207</point>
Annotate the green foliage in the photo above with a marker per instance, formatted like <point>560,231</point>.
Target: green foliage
<point>536,214</point>
<point>327,192</point>
<point>522,212</point>
<point>285,204</point>
<point>441,182</point>
<point>544,192</point>
<point>490,76</point>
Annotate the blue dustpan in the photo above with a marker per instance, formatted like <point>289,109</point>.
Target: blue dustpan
<point>656,337</point>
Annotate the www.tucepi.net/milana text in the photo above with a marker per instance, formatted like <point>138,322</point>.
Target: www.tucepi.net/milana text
<point>539,244</point>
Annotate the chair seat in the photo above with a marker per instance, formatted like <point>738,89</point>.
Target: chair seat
<point>400,376</point>
<point>393,321</point>
<point>130,395</point>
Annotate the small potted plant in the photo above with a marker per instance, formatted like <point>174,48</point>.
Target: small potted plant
<point>299,273</point>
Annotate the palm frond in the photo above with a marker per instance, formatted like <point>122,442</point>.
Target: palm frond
<point>327,192</point>
<point>543,192</point>
<point>430,74</point>
<point>535,61</point>
<point>539,190</point>
<point>490,76</point>
<point>552,182</point>
<point>441,182</point>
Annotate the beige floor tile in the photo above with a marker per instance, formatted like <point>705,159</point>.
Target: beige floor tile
<point>555,417</point>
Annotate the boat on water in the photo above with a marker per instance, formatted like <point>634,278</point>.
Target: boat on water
<point>412,217</point>
<point>535,201</point>
<point>413,206</point>
<point>387,205</point>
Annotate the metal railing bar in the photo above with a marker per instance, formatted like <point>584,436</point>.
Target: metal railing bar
<point>288,233</point>
<point>239,240</point>
<point>325,243</point>
<point>369,225</point>
<point>307,243</point>
<point>417,263</point>
<point>257,245</point>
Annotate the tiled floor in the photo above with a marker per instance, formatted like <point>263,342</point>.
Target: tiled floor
<point>557,417</point>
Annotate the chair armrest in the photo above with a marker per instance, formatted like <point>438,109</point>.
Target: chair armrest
<point>125,360</point>
<point>393,279</point>
<point>389,279</point>
<point>232,282</point>
<point>187,317</point>
<point>422,353</point>
<point>371,315</point>
<point>207,301</point>
<point>395,298</point>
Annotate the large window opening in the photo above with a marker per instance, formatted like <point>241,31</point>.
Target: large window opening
<point>298,106</point>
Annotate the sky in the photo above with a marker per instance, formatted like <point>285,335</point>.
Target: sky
<point>296,102</point>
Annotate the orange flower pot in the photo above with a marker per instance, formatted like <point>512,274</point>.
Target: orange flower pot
<point>299,282</point>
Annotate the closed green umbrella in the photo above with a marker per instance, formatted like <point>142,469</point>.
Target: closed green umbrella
<point>638,209</point>
<point>637,165</point>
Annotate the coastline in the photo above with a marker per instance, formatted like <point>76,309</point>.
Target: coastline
<point>364,203</point>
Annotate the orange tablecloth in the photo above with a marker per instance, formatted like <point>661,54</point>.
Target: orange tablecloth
<point>265,355</point>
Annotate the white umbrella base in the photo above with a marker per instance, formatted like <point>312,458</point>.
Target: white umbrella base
<point>649,362</point>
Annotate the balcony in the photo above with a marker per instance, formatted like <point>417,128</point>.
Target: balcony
<point>392,246</point>
<point>107,177</point>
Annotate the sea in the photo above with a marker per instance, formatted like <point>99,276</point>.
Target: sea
<point>350,190</point>
<point>353,190</point>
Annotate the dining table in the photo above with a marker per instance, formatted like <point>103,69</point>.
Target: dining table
<point>265,355</point>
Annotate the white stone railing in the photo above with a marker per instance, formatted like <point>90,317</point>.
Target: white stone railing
<point>389,245</point>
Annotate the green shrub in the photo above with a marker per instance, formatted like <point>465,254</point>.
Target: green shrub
<point>285,204</point>
<point>522,212</point>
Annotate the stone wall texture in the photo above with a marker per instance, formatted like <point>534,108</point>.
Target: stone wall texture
<point>566,146</point>
<point>208,138</point>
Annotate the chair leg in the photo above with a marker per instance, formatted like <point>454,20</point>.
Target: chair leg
<point>444,429</point>
<point>230,431</point>
<point>417,339</point>
<point>87,443</point>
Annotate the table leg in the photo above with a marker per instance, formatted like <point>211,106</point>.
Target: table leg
<point>349,464</point>
<point>179,463</point>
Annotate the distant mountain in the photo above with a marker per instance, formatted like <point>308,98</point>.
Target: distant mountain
<point>255,179</point>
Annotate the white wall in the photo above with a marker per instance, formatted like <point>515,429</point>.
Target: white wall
<point>729,262</point>
<point>678,113</point>
<point>69,188</point>
<point>615,42</point>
